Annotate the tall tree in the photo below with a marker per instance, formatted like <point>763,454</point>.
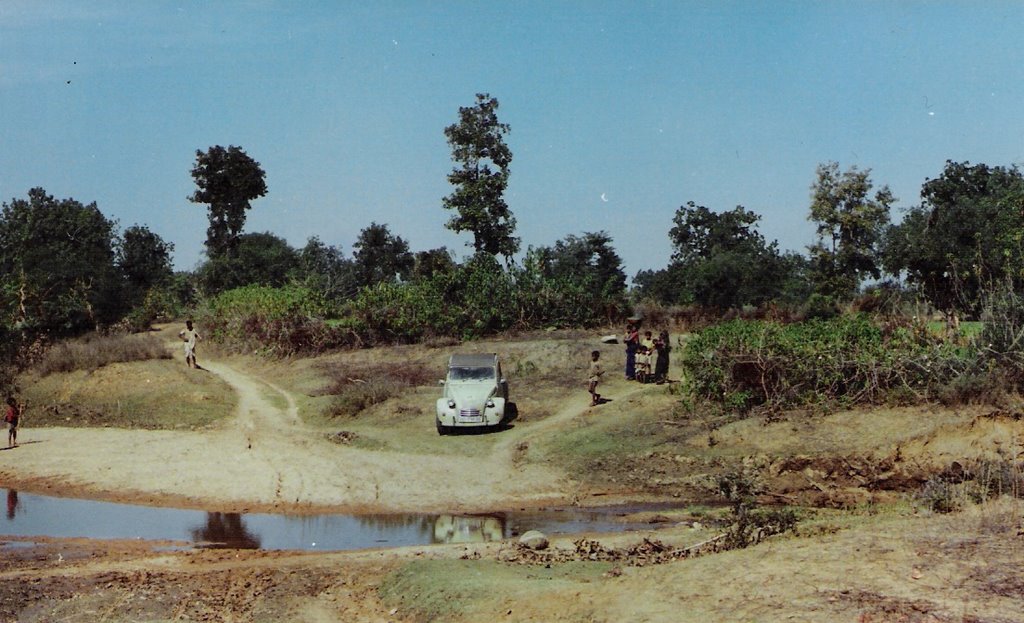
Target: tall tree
<point>966,237</point>
<point>381,256</point>
<point>579,280</point>
<point>698,233</point>
<point>432,262</point>
<point>260,258</point>
<point>226,180</point>
<point>719,260</point>
<point>477,143</point>
<point>57,270</point>
<point>589,259</point>
<point>145,261</point>
<point>325,269</point>
<point>850,224</point>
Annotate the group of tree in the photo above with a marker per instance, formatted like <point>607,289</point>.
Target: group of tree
<point>963,240</point>
<point>720,261</point>
<point>67,268</point>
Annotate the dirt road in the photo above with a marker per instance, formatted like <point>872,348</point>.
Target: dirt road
<point>264,458</point>
<point>892,564</point>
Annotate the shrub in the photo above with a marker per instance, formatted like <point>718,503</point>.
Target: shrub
<point>358,387</point>
<point>473,300</point>
<point>941,496</point>
<point>849,360</point>
<point>750,524</point>
<point>95,351</point>
<point>1002,335</point>
<point>276,321</point>
<point>974,483</point>
<point>820,306</point>
<point>400,313</point>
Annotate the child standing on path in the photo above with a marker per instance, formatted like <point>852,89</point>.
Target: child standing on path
<point>190,336</point>
<point>595,375</point>
<point>643,364</point>
<point>13,417</point>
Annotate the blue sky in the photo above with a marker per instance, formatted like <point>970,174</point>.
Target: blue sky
<point>620,111</point>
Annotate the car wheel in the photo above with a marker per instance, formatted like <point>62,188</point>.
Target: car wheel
<point>442,430</point>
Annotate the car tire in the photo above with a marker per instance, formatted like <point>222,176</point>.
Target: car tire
<point>441,429</point>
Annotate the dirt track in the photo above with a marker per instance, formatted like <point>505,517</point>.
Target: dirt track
<point>264,458</point>
<point>857,567</point>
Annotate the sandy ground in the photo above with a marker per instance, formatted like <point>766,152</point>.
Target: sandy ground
<point>962,567</point>
<point>265,459</point>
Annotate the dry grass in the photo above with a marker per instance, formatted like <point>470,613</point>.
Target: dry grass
<point>358,386</point>
<point>894,565</point>
<point>154,394</point>
<point>95,351</point>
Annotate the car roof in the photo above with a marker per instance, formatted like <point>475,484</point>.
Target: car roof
<point>462,360</point>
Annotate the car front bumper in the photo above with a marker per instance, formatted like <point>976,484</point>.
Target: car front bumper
<point>468,416</point>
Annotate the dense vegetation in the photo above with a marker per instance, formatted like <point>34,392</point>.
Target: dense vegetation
<point>852,359</point>
<point>66,270</point>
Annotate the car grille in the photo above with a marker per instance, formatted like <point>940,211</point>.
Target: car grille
<point>469,413</point>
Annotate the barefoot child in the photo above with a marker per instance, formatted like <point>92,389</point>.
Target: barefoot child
<point>13,417</point>
<point>190,336</point>
<point>643,364</point>
<point>595,375</point>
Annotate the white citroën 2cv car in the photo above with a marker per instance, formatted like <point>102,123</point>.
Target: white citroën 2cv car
<point>475,393</point>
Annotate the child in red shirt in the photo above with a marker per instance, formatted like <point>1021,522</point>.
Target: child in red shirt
<point>12,417</point>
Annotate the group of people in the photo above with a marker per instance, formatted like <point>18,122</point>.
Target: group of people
<point>646,360</point>
<point>647,357</point>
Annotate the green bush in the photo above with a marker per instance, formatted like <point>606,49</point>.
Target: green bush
<point>278,321</point>
<point>475,299</point>
<point>471,300</point>
<point>744,364</point>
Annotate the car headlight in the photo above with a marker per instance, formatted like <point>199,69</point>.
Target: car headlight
<point>490,404</point>
<point>451,403</point>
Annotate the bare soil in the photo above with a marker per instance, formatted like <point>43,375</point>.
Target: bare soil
<point>900,563</point>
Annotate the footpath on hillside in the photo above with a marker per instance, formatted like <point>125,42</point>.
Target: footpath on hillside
<point>264,458</point>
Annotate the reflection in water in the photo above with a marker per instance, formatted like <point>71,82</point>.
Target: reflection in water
<point>12,503</point>
<point>459,529</point>
<point>37,515</point>
<point>391,522</point>
<point>441,528</point>
<point>226,530</point>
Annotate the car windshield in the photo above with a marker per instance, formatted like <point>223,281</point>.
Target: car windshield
<point>476,373</point>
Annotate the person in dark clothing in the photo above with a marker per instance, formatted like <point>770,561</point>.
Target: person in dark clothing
<point>661,347</point>
<point>632,340</point>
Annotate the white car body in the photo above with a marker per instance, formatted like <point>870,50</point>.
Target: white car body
<point>475,394</point>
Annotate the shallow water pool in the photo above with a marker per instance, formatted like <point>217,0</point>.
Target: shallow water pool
<point>30,515</point>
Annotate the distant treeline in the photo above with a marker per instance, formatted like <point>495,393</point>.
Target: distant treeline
<point>66,268</point>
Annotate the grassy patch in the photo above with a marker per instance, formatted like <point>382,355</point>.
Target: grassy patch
<point>95,351</point>
<point>607,435</point>
<point>448,590</point>
<point>358,385</point>
<point>149,394</point>
<point>968,328</point>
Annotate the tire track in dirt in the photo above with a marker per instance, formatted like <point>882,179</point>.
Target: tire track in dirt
<point>273,434</point>
<point>265,429</point>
